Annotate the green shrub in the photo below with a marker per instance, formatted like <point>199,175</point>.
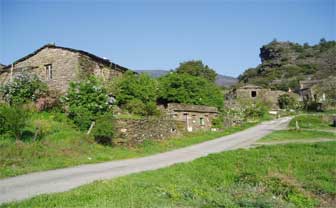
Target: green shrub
<point>256,111</point>
<point>86,100</point>
<point>13,120</point>
<point>104,130</point>
<point>137,93</point>
<point>286,101</point>
<point>218,122</point>
<point>24,88</point>
<point>135,106</point>
<point>82,117</point>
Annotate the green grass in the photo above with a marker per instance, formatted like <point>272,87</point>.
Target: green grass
<point>313,121</point>
<point>295,175</point>
<point>283,135</point>
<point>64,146</point>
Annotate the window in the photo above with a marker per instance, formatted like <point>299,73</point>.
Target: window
<point>253,93</point>
<point>202,122</point>
<point>48,69</point>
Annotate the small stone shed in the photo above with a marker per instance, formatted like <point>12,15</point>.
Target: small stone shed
<point>195,117</point>
<point>250,92</point>
<point>57,66</point>
<point>308,91</point>
<point>253,92</point>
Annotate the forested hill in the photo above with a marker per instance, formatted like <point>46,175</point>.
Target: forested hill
<point>283,64</point>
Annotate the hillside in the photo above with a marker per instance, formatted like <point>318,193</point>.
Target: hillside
<point>283,64</point>
<point>221,80</point>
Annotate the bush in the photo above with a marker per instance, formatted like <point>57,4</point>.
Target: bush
<point>24,88</point>
<point>103,131</point>
<point>256,111</point>
<point>82,117</point>
<point>135,106</point>
<point>13,120</point>
<point>137,93</point>
<point>286,101</point>
<point>86,100</point>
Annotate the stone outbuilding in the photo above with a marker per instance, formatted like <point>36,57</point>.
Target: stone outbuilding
<point>58,66</point>
<point>253,92</point>
<point>250,92</point>
<point>308,91</point>
<point>195,117</point>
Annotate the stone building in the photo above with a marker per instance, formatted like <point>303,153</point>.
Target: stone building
<point>195,117</point>
<point>308,91</point>
<point>253,92</point>
<point>250,92</point>
<point>57,66</point>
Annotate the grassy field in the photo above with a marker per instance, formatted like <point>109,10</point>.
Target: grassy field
<point>295,175</point>
<point>284,135</point>
<point>63,146</point>
<point>317,121</point>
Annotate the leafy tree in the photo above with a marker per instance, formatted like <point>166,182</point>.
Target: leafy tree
<point>137,93</point>
<point>13,120</point>
<point>23,88</point>
<point>184,88</point>
<point>197,68</point>
<point>86,100</point>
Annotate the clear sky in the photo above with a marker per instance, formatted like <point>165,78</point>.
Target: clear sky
<point>150,34</point>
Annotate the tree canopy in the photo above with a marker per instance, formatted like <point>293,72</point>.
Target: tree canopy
<point>137,93</point>
<point>184,88</point>
<point>197,68</point>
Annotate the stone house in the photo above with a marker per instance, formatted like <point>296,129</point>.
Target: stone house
<point>194,117</point>
<point>308,91</point>
<point>253,92</point>
<point>250,92</point>
<point>58,66</point>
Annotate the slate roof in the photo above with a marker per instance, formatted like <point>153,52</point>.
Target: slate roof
<point>92,56</point>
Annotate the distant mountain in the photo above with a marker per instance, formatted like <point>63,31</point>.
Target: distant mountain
<point>225,81</point>
<point>221,80</point>
<point>154,73</point>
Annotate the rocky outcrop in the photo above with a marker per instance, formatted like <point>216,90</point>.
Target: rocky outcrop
<point>284,64</point>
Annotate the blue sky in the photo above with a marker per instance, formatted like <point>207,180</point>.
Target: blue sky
<point>150,34</point>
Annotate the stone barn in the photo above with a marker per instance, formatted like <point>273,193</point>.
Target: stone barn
<point>253,92</point>
<point>250,92</point>
<point>57,66</point>
<point>195,117</point>
<point>308,91</point>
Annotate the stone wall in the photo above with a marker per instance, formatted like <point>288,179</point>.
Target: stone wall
<point>87,67</point>
<point>135,131</point>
